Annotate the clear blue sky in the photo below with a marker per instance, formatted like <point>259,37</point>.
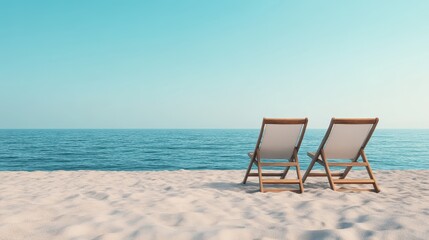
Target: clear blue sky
<point>212,64</point>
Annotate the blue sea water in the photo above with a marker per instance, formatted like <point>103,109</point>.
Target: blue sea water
<point>144,149</point>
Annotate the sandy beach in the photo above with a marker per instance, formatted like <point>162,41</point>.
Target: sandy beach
<point>206,205</point>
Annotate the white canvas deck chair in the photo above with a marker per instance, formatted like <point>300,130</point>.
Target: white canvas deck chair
<point>279,139</point>
<point>344,141</point>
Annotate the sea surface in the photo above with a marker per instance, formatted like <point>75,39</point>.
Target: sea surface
<point>174,149</point>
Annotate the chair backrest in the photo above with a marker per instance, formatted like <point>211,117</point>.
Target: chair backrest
<point>346,137</point>
<point>279,137</point>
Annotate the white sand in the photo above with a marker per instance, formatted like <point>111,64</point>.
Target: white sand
<point>205,205</point>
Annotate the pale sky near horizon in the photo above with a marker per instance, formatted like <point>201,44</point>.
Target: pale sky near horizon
<point>212,64</point>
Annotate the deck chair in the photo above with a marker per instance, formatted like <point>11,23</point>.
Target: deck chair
<point>344,141</point>
<point>279,139</point>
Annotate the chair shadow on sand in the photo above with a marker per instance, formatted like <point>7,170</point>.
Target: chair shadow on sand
<point>253,187</point>
<point>234,186</point>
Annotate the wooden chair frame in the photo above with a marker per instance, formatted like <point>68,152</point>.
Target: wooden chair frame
<point>320,158</point>
<point>293,162</point>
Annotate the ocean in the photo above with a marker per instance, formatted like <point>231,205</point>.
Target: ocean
<point>175,149</point>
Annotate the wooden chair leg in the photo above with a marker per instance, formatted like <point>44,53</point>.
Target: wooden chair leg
<point>328,171</point>
<point>285,173</point>
<point>310,167</point>
<point>347,170</point>
<point>261,185</point>
<point>249,168</point>
<point>298,173</point>
<point>369,170</point>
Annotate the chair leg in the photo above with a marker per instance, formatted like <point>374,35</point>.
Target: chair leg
<point>298,174</point>
<point>285,173</point>
<point>347,170</point>
<point>249,168</point>
<point>261,187</point>
<point>369,170</point>
<point>310,167</point>
<point>328,171</point>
